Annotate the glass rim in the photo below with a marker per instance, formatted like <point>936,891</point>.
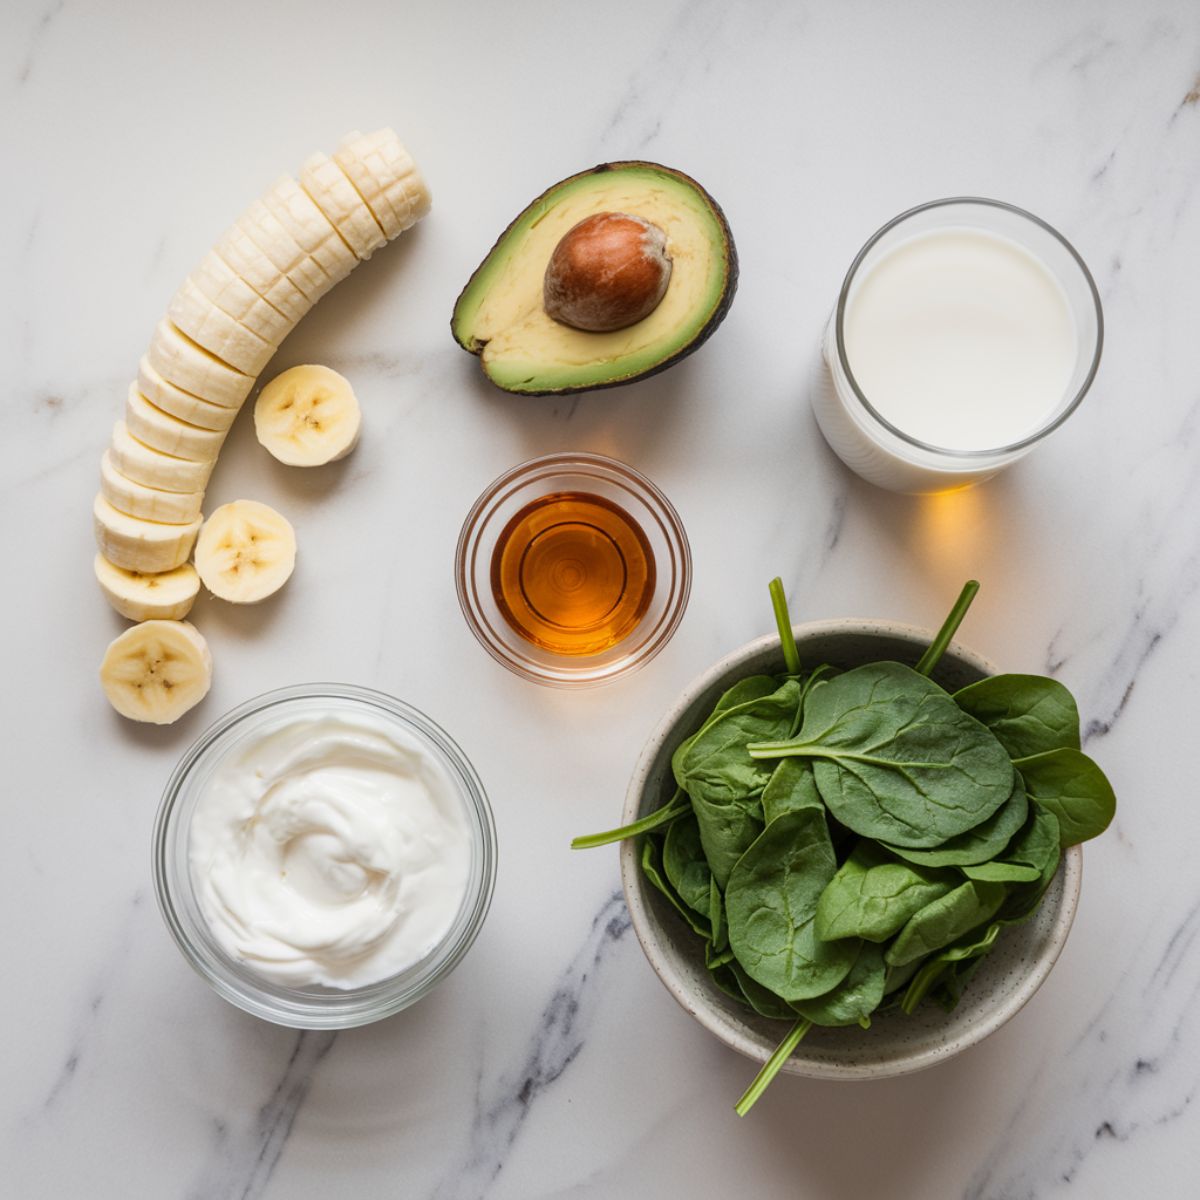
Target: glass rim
<point>572,673</point>
<point>348,1007</point>
<point>995,451</point>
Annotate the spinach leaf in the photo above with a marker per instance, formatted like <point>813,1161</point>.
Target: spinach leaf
<point>854,999</point>
<point>761,999</point>
<point>1074,789</point>
<point>753,687</point>
<point>727,981</point>
<point>945,920</point>
<point>771,902</point>
<point>745,691</point>
<point>950,987</point>
<point>1023,900</point>
<point>716,914</point>
<point>685,865</point>
<point>791,786</point>
<point>1028,714</point>
<point>1030,852</point>
<point>724,782</point>
<point>714,958</point>
<point>1002,872</point>
<point>977,845</point>
<point>652,869</point>
<point>897,977</point>
<point>872,895</point>
<point>896,759</point>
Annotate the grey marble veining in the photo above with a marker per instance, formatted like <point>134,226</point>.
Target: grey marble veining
<point>552,1064</point>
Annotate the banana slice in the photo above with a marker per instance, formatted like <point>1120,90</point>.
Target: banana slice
<point>153,469</point>
<point>168,596</point>
<point>192,369</point>
<point>246,552</point>
<point>194,314</point>
<point>308,416</point>
<point>352,156</point>
<point>297,213</point>
<point>386,177</point>
<point>284,251</point>
<point>170,399</point>
<point>138,545</point>
<point>151,504</point>
<point>163,431</point>
<point>222,285</point>
<point>156,671</point>
<point>337,198</point>
<point>242,254</point>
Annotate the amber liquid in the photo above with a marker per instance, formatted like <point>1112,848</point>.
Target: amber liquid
<point>573,573</point>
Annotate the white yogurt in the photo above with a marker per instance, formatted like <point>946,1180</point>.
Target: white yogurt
<point>965,342</point>
<point>331,850</point>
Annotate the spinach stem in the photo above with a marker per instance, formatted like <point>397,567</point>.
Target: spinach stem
<point>660,816</point>
<point>771,1067</point>
<point>937,647</point>
<point>791,655</point>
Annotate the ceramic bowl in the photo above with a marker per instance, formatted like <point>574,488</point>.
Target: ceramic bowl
<point>895,1044</point>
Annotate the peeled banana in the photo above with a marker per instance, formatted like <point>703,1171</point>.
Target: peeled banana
<point>221,328</point>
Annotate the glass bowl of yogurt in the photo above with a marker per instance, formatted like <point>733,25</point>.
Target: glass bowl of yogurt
<point>324,855</point>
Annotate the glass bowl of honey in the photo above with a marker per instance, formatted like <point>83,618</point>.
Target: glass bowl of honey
<point>573,570</point>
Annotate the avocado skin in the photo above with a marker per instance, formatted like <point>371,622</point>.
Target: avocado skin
<point>702,336</point>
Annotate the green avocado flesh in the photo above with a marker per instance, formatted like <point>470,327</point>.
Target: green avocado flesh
<point>499,315</point>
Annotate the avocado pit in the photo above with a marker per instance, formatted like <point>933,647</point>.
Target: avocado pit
<point>608,272</point>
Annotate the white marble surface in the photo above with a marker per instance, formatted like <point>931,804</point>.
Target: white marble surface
<point>553,1063</point>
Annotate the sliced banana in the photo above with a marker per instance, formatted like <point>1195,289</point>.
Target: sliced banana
<point>156,671</point>
<point>192,369</point>
<point>151,504</point>
<point>170,399</point>
<point>246,551</point>
<point>167,596</point>
<point>243,255</point>
<point>166,432</point>
<point>152,468</point>
<point>139,545</point>
<point>194,314</point>
<point>217,280</point>
<point>386,177</point>
<point>308,416</point>
<point>297,213</point>
<point>337,198</point>
<point>352,156</point>
<point>284,251</point>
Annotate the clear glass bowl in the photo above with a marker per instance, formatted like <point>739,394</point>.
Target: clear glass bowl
<point>313,1007</point>
<point>612,481</point>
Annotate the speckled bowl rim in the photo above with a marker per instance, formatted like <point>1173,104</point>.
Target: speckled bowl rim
<point>735,1034</point>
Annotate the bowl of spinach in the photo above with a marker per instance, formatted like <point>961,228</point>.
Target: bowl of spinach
<point>851,850</point>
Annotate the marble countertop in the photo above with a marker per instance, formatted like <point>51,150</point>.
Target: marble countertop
<point>553,1063</point>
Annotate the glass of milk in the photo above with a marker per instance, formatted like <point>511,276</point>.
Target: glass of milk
<point>965,332</point>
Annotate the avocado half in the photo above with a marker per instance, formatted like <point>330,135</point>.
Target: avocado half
<point>499,315</point>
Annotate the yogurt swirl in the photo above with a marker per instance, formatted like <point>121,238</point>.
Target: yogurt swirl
<point>329,851</point>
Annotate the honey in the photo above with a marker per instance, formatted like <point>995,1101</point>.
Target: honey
<point>573,573</point>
